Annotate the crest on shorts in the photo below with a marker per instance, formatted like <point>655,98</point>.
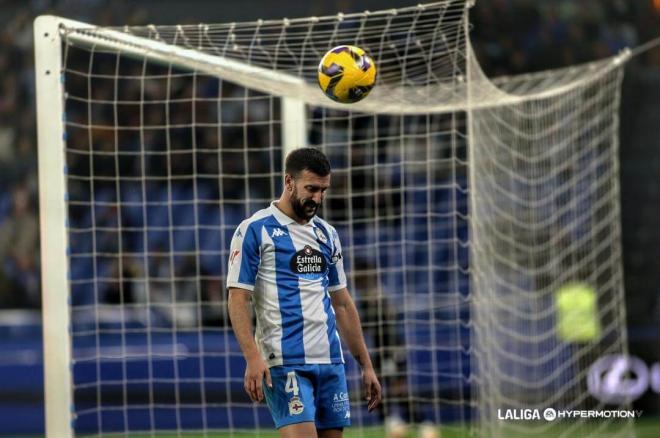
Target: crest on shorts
<point>320,235</point>
<point>296,406</point>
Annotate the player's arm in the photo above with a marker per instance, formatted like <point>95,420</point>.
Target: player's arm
<point>350,330</point>
<point>241,321</point>
<point>244,259</point>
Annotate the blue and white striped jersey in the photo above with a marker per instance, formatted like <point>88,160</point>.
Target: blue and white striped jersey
<point>291,269</point>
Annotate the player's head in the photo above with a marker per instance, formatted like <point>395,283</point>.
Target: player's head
<point>307,177</point>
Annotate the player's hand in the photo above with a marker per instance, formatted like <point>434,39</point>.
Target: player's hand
<point>372,391</point>
<point>255,373</point>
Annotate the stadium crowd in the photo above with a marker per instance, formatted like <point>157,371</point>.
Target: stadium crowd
<point>510,36</point>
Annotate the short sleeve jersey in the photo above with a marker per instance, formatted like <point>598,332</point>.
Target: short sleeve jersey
<point>291,270</point>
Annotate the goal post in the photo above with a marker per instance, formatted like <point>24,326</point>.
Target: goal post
<point>53,225</point>
<point>465,207</point>
<point>294,124</point>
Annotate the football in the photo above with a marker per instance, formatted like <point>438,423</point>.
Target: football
<point>346,74</point>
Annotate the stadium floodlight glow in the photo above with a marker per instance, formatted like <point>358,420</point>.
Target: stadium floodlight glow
<point>463,204</point>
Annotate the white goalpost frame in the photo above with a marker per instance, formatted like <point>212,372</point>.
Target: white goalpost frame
<point>54,232</point>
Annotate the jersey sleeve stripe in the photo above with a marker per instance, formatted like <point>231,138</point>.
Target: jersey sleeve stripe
<point>251,254</point>
<point>336,274</point>
<point>235,284</point>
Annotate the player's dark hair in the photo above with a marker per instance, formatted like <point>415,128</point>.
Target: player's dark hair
<point>311,159</point>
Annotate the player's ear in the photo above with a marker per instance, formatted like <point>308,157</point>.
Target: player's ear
<point>288,182</point>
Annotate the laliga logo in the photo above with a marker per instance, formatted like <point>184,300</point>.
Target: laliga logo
<point>618,379</point>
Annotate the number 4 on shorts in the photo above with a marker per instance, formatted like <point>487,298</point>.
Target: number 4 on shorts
<point>291,383</point>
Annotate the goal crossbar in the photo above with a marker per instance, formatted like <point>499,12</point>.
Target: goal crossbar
<point>446,97</point>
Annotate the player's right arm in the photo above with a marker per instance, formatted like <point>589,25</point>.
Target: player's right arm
<point>244,259</point>
<point>241,321</point>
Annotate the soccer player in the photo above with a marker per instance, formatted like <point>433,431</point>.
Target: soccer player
<point>289,262</point>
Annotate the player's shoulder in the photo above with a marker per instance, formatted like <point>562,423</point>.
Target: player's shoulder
<point>254,220</point>
<point>260,215</point>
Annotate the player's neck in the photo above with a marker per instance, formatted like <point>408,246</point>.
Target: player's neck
<point>284,205</point>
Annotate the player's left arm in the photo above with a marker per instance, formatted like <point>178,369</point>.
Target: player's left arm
<point>350,330</point>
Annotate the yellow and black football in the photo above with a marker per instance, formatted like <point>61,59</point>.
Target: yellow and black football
<point>346,74</point>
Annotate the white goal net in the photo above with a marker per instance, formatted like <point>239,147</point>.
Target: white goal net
<point>465,208</point>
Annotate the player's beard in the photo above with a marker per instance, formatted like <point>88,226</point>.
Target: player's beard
<point>304,209</point>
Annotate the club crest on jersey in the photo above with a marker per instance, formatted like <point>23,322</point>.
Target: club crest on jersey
<point>308,262</point>
<point>296,407</point>
<point>320,235</point>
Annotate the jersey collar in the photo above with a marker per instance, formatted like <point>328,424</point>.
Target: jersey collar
<point>283,219</point>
